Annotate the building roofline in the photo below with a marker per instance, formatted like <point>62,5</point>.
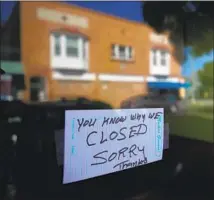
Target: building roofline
<point>102,13</point>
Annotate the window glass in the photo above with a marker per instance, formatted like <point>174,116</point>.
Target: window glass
<point>57,44</point>
<point>113,50</point>
<point>122,52</point>
<point>84,49</point>
<point>72,46</point>
<point>163,58</point>
<point>154,57</point>
<point>130,54</point>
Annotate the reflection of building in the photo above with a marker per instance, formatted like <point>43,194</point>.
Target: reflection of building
<point>5,87</point>
<point>68,51</point>
<point>12,82</point>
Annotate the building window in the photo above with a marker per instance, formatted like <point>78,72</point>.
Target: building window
<point>160,58</point>
<point>69,51</point>
<point>57,47</point>
<point>113,51</point>
<point>163,58</point>
<point>68,46</point>
<point>121,52</point>
<point>72,46</point>
<point>154,57</point>
<point>130,53</point>
<point>84,51</point>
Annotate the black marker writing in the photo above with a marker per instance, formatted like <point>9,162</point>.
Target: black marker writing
<point>113,135</point>
<point>121,164</point>
<point>84,123</point>
<point>113,120</point>
<point>87,139</point>
<point>112,156</point>
<point>122,152</point>
<point>143,117</point>
<point>154,115</point>
<point>127,164</point>
<point>102,138</point>
<point>138,117</point>
<point>138,130</point>
<point>132,150</point>
<point>103,156</point>
<point>122,134</point>
<point>97,156</point>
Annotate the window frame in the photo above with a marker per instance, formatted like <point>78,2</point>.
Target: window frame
<point>78,47</point>
<point>117,55</point>
<point>64,61</point>
<point>63,45</point>
<point>163,58</point>
<point>158,57</point>
<point>154,57</point>
<point>57,44</point>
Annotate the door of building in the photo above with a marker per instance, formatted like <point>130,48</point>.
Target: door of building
<point>38,90</point>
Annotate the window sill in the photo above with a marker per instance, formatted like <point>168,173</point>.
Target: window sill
<point>160,66</point>
<point>124,61</point>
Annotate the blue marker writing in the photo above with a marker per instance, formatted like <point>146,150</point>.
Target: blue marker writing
<point>72,150</point>
<point>72,129</point>
<point>159,140</point>
<point>158,136</point>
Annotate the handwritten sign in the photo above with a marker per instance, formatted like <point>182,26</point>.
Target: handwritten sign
<point>59,141</point>
<point>99,142</point>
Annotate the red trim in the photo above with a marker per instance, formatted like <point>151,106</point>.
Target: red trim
<point>161,47</point>
<point>74,30</point>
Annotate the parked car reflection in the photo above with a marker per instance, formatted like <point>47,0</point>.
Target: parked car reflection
<point>169,102</point>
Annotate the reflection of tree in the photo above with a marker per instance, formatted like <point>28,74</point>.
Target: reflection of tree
<point>205,44</point>
<point>206,75</point>
<point>194,26</point>
<point>190,25</point>
<point>195,85</point>
<point>206,79</point>
<point>199,35</point>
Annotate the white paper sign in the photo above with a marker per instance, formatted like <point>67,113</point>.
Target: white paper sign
<point>59,140</point>
<point>99,142</point>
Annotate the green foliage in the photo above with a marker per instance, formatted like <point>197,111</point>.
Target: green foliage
<point>196,27</point>
<point>204,44</point>
<point>206,75</point>
<point>199,34</point>
<point>206,79</point>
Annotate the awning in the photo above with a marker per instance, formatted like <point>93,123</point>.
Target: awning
<point>12,67</point>
<point>168,85</point>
